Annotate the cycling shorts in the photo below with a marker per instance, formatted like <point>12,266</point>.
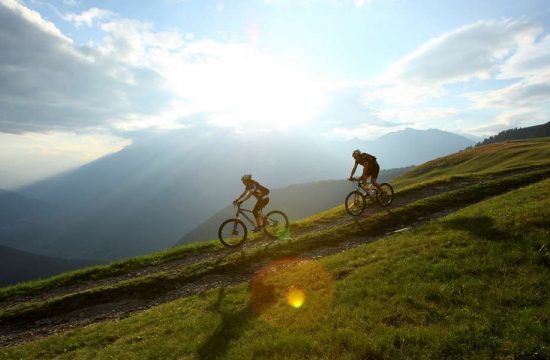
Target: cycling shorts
<point>372,170</point>
<point>260,204</point>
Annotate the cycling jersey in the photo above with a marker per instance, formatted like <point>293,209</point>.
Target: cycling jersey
<point>365,159</point>
<point>257,189</point>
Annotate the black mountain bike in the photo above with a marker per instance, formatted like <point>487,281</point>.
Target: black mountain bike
<point>233,232</point>
<point>356,201</point>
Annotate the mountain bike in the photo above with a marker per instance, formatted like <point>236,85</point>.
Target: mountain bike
<point>233,232</point>
<point>356,201</point>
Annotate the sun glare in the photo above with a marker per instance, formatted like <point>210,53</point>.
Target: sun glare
<point>295,297</point>
<point>242,87</point>
<point>278,292</point>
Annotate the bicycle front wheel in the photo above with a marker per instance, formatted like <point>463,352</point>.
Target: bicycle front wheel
<point>232,232</point>
<point>276,224</point>
<point>355,203</point>
<point>384,197</point>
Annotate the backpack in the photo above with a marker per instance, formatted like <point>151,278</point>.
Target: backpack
<point>368,157</point>
<point>261,189</point>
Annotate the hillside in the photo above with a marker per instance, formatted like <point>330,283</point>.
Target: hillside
<point>297,201</point>
<point>148,195</point>
<point>530,132</point>
<point>492,158</point>
<point>453,270</point>
<point>17,266</point>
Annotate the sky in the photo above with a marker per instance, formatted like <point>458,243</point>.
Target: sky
<point>81,79</point>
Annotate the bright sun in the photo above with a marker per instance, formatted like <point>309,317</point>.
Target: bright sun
<point>239,86</point>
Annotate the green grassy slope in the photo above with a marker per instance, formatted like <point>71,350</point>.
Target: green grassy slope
<point>474,284</point>
<point>150,286</point>
<point>482,160</point>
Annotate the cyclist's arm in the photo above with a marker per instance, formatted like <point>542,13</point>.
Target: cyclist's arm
<point>246,194</point>
<point>353,170</point>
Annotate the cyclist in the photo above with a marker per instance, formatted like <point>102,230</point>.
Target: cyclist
<point>254,188</point>
<point>370,168</point>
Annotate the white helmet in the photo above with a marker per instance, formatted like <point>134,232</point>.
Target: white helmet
<point>246,177</point>
<point>356,153</point>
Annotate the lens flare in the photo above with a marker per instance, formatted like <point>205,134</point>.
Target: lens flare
<point>295,297</point>
<point>291,292</point>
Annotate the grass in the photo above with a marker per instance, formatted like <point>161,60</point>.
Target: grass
<point>104,271</point>
<point>481,160</point>
<point>475,284</point>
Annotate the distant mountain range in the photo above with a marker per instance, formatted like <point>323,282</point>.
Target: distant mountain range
<point>148,195</point>
<point>519,133</point>
<point>413,147</point>
<point>17,266</point>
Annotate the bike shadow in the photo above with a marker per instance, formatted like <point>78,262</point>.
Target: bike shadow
<point>479,226</point>
<point>233,323</point>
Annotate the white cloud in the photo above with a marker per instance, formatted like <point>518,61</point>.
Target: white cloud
<point>470,52</point>
<point>129,78</point>
<point>49,84</point>
<point>32,17</point>
<point>528,92</point>
<point>475,51</point>
<point>89,17</point>
<point>509,119</point>
<point>528,60</point>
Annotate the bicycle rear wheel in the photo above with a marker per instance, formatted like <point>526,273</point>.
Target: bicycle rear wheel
<point>355,203</point>
<point>232,232</point>
<point>385,197</point>
<point>276,224</point>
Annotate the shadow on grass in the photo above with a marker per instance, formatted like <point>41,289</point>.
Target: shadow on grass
<point>230,329</point>
<point>480,226</point>
<point>233,323</point>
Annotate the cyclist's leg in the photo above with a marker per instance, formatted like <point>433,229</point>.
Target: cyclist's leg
<point>364,176</point>
<point>257,211</point>
<point>375,170</point>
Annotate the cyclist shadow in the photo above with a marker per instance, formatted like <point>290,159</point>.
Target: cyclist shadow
<point>479,226</point>
<point>232,324</point>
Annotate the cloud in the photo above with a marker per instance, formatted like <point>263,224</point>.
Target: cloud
<point>49,84</point>
<point>528,92</point>
<point>136,77</point>
<point>509,119</point>
<point>471,52</point>
<point>88,17</point>
<point>528,60</point>
<point>475,51</point>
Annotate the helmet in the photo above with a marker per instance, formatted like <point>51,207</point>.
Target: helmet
<point>356,153</point>
<point>246,177</point>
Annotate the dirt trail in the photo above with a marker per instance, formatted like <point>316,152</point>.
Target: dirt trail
<point>19,331</point>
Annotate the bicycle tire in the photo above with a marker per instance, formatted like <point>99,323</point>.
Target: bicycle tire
<point>355,203</point>
<point>228,229</point>
<point>274,220</point>
<point>386,199</point>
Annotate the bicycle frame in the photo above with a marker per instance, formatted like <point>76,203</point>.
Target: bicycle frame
<point>243,212</point>
<point>368,191</point>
